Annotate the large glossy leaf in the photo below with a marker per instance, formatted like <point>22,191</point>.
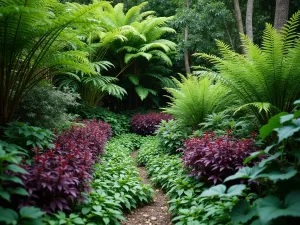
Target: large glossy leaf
<point>273,123</point>
<point>287,131</point>
<point>8,216</point>
<point>271,207</point>
<point>31,212</point>
<point>220,190</point>
<point>283,174</point>
<point>242,212</point>
<point>246,173</point>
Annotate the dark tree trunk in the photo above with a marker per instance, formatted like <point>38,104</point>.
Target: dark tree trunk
<point>239,19</point>
<point>186,53</point>
<point>281,13</point>
<point>249,17</point>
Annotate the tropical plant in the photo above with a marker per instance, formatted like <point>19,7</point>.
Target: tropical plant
<point>30,55</point>
<point>265,80</point>
<point>141,44</point>
<point>279,171</point>
<point>28,137</point>
<point>195,98</point>
<point>171,136</point>
<point>45,106</point>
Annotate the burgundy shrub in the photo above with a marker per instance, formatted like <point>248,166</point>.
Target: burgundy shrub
<point>58,176</point>
<point>146,124</point>
<point>213,158</point>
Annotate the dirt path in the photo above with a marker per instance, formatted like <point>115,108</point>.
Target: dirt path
<point>154,214</point>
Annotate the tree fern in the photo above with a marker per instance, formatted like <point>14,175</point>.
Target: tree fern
<point>267,77</point>
<point>195,98</point>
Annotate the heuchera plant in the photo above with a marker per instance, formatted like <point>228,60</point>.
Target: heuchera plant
<point>214,158</point>
<point>58,176</point>
<point>148,123</point>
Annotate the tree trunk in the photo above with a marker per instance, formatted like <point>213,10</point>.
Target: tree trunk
<point>281,13</point>
<point>186,53</point>
<point>249,16</point>
<point>239,19</point>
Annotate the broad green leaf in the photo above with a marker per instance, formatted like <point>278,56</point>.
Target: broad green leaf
<point>78,221</point>
<point>286,118</point>
<point>242,212</point>
<point>273,123</point>
<point>279,175</point>
<point>286,132</point>
<point>16,169</point>
<point>5,195</point>
<point>269,159</point>
<point>8,216</point>
<point>19,191</point>
<point>271,207</point>
<point>246,173</point>
<point>31,212</point>
<point>220,190</point>
<point>252,156</point>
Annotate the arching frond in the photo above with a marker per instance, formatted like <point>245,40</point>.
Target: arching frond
<point>129,57</point>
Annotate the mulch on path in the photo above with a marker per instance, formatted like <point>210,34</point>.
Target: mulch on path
<point>155,213</point>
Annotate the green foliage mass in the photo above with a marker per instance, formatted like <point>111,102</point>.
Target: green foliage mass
<point>28,137</point>
<point>11,186</point>
<point>116,185</point>
<point>171,136</point>
<point>186,204</point>
<point>119,123</point>
<point>266,80</point>
<point>47,107</point>
<point>279,170</point>
<point>195,98</point>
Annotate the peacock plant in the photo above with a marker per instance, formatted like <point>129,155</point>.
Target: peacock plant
<point>267,79</point>
<point>38,38</point>
<point>196,98</point>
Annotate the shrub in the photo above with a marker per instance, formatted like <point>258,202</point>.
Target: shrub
<point>119,123</point>
<point>58,176</point>
<point>195,98</point>
<point>171,136</point>
<point>46,107</point>
<point>28,137</point>
<point>147,124</point>
<point>214,158</point>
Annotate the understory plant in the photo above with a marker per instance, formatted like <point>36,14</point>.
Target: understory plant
<point>57,177</point>
<point>147,124</point>
<point>116,184</point>
<point>187,205</point>
<point>171,136</point>
<point>279,171</point>
<point>212,158</point>
<point>28,137</point>
<point>46,107</point>
<point>119,123</point>
<point>12,188</point>
<point>266,80</point>
<point>195,98</point>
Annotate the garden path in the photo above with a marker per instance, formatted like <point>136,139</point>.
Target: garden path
<point>155,213</point>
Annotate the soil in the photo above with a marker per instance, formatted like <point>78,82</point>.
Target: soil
<point>156,213</point>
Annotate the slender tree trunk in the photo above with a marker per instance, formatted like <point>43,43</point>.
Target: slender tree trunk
<point>281,13</point>
<point>239,19</point>
<point>186,53</point>
<point>249,16</point>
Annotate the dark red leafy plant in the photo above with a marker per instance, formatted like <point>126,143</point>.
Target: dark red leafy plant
<point>212,158</point>
<point>146,124</point>
<point>58,176</point>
